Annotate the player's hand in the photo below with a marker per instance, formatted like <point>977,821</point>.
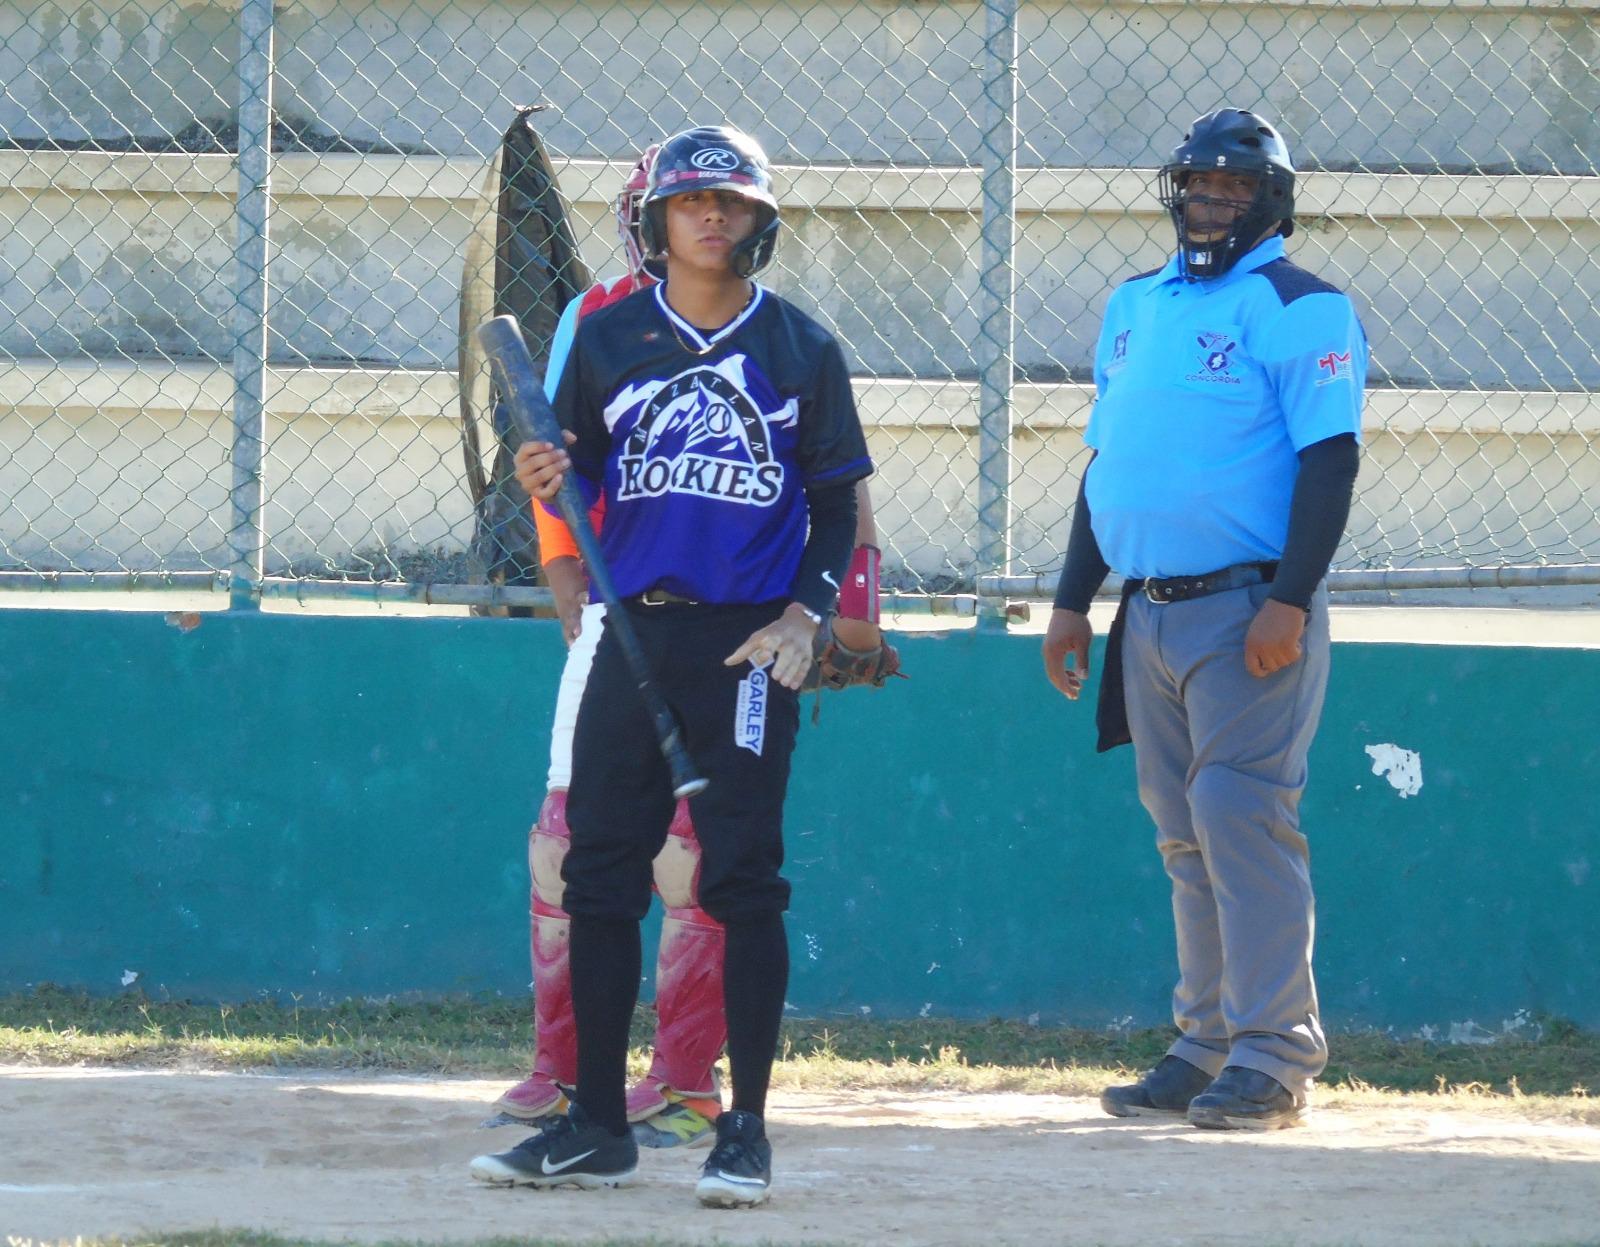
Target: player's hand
<point>786,643</point>
<point>570,587</point>
<point>1273,641</point>
<point>541,467</point>
<point>1068,636</point>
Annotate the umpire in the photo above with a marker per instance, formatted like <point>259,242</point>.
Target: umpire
<point>1225,449</point>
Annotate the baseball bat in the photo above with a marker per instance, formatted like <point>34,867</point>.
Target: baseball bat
<point>535,422</point>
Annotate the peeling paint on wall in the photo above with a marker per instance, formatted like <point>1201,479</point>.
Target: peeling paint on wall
<point>1401,767</point>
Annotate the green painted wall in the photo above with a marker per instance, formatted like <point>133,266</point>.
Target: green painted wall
<point>336,807</point>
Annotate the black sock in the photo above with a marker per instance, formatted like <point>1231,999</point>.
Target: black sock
<point>754,981</point>
<point>606,958</point>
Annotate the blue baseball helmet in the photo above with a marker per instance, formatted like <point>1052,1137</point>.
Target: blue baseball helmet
<point>713,158</point>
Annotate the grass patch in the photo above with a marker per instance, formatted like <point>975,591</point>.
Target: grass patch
<point>491,1039</point>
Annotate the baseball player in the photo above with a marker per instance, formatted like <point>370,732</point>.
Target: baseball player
<point>678,1100</point>
<point>1225,438</point>
<point>717,422</point>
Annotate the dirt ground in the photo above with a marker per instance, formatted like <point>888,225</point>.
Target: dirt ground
<point>106,1152</point>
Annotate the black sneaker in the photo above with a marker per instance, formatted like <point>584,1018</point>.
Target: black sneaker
<point>1244,1099</point>
<point>1164,1092</point>
<point>569,1151</point>
<point>738,1173</point>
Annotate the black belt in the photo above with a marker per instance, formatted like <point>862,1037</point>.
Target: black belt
<point>1181,588</point>
<point>660,597</point>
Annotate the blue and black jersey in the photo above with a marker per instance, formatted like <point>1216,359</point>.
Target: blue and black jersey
<point>705,447</point>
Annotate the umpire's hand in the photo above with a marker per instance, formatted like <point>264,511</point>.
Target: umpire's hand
<point>1068,636</point>
<point>1273,641</point>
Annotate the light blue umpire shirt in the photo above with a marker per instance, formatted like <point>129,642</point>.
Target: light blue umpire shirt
<point>1206,393</point>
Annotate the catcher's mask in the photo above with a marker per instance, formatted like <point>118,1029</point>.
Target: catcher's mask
<point>629,205</point>
<point>1237,141</point>
<point>713,158</point>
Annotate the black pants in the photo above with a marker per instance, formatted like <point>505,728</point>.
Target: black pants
<point>739,727</point>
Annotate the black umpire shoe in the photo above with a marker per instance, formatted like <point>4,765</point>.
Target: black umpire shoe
<point>1244,1099</point>
<point>568,1151</point>
<point>1164,1092</point>
<point>738,1173</point>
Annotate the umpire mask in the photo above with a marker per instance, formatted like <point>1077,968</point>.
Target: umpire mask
<point>1234,141</point>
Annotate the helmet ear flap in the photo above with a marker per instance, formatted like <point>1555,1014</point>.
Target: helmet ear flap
<point>653,228</point>
<point>755,252</point>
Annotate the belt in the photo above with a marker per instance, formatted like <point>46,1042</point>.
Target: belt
<point>1181,588</point>
<point>660,597</point>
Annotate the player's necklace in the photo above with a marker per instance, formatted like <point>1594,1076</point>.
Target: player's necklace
<point>711,344</point>
<point>686,344</point>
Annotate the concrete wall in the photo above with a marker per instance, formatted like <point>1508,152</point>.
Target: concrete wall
<point>338,807</point>
<point>1375,83</point>
<point>1481,282</point>
<point>117,463</point>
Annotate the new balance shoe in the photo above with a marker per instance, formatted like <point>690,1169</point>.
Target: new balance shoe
<point>738,1173</point>
<point>1164,1092</point>
<point>535,1098</point>
<point>679,1124</point>
<point>567,1151</point>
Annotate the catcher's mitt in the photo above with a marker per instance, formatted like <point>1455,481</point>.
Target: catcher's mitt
<point>836,666</point>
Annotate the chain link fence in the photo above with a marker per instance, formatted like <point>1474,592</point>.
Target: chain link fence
<point>239,245</point>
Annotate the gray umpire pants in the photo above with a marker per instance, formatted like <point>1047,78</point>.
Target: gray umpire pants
<point>1221,760</point>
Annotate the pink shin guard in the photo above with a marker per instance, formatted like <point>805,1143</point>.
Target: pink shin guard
<point>691,1026</point>
<point>858,596</point>
<point>555,1034</point>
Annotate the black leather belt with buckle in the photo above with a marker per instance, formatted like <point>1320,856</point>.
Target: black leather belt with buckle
<point>662,597</point>
<point>1182,588</point>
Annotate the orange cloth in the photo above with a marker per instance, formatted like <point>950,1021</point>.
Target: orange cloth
<point>555,538</point>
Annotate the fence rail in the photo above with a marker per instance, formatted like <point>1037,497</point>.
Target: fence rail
<point>236,242</point>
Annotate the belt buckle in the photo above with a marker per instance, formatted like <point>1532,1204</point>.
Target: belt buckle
<point>651,597</point>
<point>1151,594</point>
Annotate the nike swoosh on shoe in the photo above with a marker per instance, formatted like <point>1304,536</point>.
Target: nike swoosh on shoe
<point>548,1168</point>
<point>739,1181</point>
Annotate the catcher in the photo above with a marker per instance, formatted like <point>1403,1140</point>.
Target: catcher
<point>679,1099</point>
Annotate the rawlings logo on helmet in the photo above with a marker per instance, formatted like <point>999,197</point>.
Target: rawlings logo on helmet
<point>718,159</point>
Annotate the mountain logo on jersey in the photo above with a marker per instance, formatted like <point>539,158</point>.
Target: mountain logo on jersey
<point>702,433</point>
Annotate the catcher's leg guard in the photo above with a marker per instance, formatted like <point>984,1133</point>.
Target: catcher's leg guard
<point>690,1024</point>
<point>554,1031</point>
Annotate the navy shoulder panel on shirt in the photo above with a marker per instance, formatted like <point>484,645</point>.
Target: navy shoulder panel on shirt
<point>1128,281</point>
<point>805,328</point>
<point>1290,282</point>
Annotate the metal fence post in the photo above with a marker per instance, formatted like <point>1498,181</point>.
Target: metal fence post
<point>247,535</point>
<point>996,304</point>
